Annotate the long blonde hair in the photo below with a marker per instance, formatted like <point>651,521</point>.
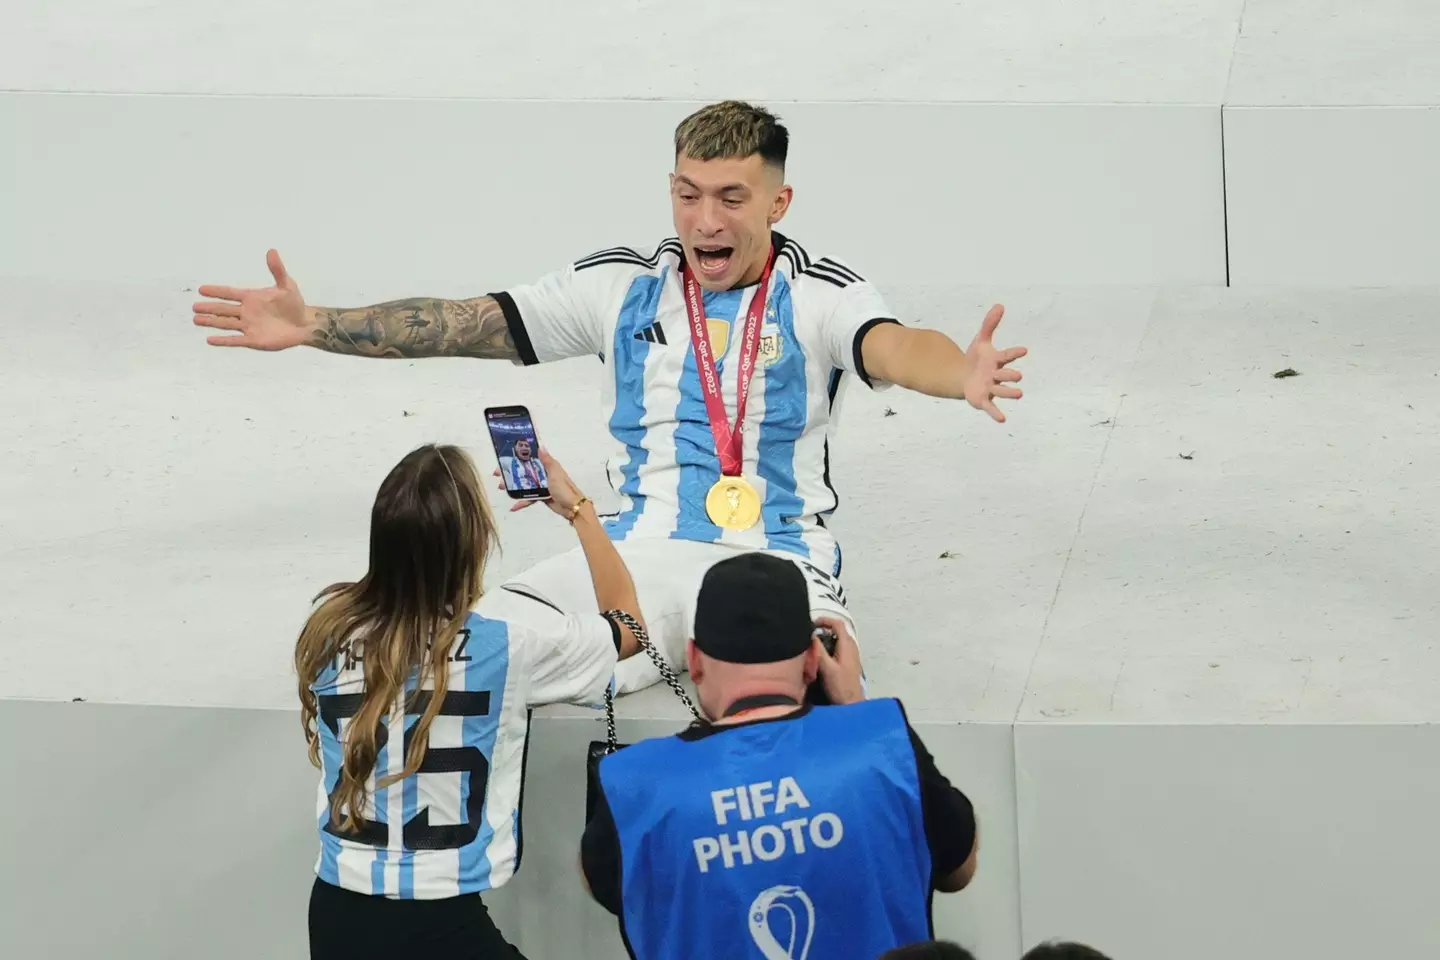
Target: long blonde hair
<point>431,531</point>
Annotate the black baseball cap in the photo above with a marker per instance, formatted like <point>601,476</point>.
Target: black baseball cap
<point>753,608</point>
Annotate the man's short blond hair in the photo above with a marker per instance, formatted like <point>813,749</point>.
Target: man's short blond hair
<point>732,130</point>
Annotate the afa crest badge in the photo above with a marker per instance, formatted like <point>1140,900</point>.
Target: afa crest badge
<point>771,346</point>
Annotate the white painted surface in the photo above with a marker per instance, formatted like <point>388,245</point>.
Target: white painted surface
<point>177,505</point>
<point>1333,197</point>
<point>1337,52</point>
<point>1095,51</point>
<point>194,499</point>
<point>1196,842</point>
<point>1286,573</point>
<point>387,198</point>
<point>955,635</point>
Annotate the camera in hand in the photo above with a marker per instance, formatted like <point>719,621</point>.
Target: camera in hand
<point>816,692</point>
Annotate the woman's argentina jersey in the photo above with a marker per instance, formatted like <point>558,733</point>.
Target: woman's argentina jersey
<point>790,837</point>
<point>627,307</point>
<point>454,827</point>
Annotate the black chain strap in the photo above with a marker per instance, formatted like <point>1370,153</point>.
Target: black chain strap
<point>666,673</point>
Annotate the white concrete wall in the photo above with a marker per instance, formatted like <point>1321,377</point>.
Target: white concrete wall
<point>1044,51</point>
<point>1197,842</point>
<point>140,832</point>
<point>1334,196</point>
<point>1332,140</point>
<point>1011,161</point>
<point>465,195</point>
<point>1058,143</point>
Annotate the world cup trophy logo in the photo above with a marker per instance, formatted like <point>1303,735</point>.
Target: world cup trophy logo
<point>773,901</point>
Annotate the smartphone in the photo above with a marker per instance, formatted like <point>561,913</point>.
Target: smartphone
<point>517,449</point>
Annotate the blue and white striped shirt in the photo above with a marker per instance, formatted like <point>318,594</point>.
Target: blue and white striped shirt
<point>627,307</point>
<point>454,827</point>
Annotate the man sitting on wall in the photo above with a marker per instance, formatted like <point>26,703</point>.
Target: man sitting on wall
<point>727,349</point>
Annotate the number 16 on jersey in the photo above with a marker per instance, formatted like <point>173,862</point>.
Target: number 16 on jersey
<point>417,832</point>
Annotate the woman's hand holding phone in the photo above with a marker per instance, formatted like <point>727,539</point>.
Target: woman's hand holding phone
<point>563,492</point>
<point>564,495</point>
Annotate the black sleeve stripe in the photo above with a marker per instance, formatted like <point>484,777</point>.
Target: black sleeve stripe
<point>629,252</point>
<point>835,274</point>
<point>605,253</point>
<point>824,268</point>
<point>858,353</point>
<point>789,258</point>
<point>839,269</point>
<point>518,333</point>
<point>798,254</point>
<point>617,258</point>
<point>629,255</point>
<point>820,274</point>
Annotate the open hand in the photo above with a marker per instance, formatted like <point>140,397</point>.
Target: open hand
<point>989,370</point>
<point>265,318</point>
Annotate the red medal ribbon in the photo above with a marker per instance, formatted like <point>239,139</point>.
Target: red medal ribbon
<point>728,443</point>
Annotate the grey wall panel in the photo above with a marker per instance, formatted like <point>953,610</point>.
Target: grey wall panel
<point>1191,842</point>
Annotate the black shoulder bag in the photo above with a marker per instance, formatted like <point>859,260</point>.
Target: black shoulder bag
<point>602,748</point>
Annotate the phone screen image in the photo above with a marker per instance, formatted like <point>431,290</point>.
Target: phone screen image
<point>517,449</point>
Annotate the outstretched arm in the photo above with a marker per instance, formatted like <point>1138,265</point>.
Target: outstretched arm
<point>277,318</point>
<point>416,327</point>
<point>926,361</point>
<point>929,362</point>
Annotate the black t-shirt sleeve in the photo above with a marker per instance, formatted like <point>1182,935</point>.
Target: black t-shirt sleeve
<point>857,344</point>
<point>600,856</point>
<point>949,815</point>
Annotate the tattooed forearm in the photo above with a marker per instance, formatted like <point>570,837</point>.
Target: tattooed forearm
<point>417,327</point>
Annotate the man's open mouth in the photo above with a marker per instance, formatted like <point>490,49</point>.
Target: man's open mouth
<point>713,260</point>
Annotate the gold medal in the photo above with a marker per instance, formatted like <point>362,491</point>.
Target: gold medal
<point>733,504</point>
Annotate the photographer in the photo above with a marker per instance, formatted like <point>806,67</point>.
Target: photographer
<point>777,824</point>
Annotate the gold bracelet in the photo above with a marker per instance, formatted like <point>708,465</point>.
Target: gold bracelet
<point>575,511</point>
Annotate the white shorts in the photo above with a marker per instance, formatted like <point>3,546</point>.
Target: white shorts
<point>667,575</point>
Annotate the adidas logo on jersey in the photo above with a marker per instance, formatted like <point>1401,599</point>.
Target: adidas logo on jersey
<point>652,333</point>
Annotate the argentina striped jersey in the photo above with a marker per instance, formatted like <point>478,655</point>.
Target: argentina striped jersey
<point>626,306</point>
<point>454,827</point>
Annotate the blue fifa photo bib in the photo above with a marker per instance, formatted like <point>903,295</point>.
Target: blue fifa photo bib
<point>781,839</point>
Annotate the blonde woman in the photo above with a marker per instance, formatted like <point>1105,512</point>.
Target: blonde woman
<point>415,691</point>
